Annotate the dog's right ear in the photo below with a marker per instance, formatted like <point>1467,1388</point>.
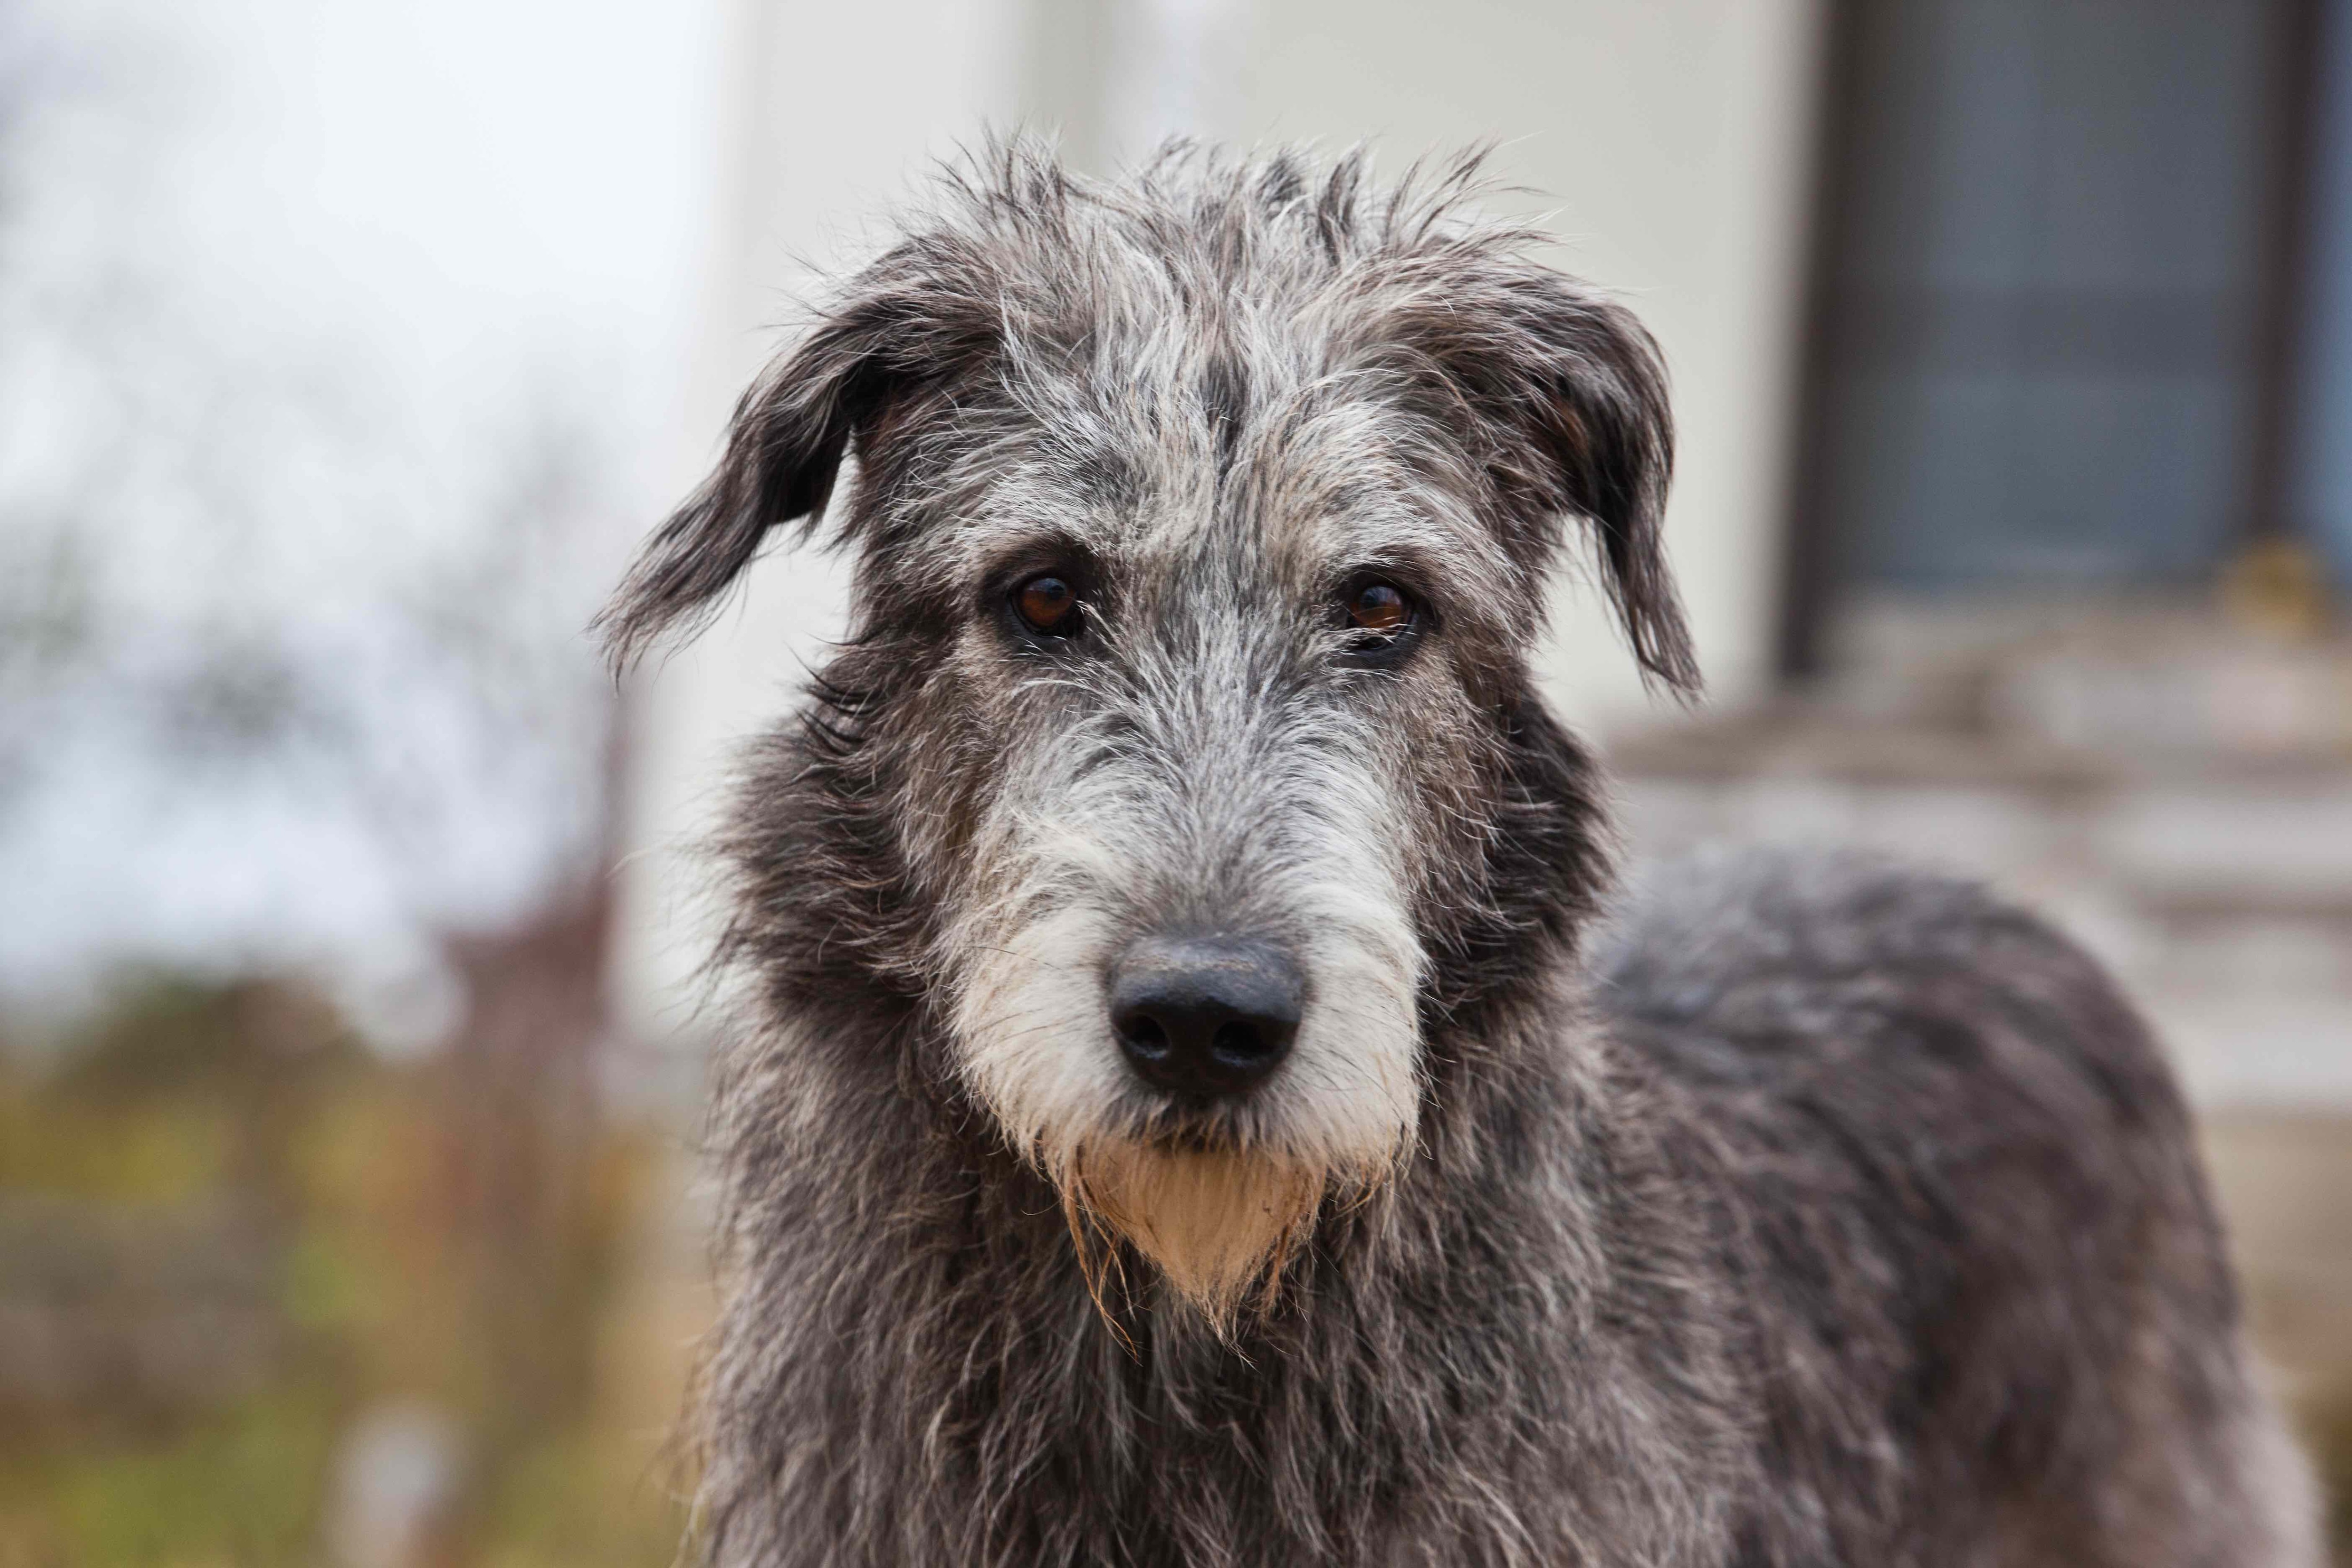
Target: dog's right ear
<point>908,324</point>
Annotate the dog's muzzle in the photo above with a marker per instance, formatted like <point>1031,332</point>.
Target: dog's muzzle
<point>1205,1018</point>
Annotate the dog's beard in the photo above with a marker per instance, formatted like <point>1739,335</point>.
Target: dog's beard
<point>1220,1224</point>
<point>1219,1203</point>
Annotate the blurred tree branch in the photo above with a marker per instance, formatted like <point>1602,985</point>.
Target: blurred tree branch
<point>232,569</point>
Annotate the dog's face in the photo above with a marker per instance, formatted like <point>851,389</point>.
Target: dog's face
<point>1203,527</point>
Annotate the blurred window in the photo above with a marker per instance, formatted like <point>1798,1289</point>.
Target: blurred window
<point>2040,358</point>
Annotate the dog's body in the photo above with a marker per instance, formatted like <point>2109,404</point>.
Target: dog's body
<point>1180,1122</point>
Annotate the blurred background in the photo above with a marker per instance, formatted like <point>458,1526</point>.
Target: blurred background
<point>349,1043</point>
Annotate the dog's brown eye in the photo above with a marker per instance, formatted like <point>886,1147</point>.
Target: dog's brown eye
<point>1379,608</point>
<point>1048,604</point>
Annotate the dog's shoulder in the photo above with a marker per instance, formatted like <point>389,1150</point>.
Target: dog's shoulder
<point>1780,965</point>
<point>1683,929</point>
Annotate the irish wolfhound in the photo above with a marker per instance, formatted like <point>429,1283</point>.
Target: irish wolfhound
<point>1182,1122</point>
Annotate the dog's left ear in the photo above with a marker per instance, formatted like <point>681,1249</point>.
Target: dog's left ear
<point>903,327</point>
<point>1569,391</point>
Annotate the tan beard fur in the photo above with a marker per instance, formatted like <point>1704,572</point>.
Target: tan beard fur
<point>1220,1224</point>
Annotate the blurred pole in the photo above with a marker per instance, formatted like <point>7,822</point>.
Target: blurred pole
<point>2297,69</point>
<point>2274,584</point>
<point>522,1139</point>
<point>1808,553</point>
<point>2322,449</point>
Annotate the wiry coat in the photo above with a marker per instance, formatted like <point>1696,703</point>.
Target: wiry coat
<point>1833,1216</point>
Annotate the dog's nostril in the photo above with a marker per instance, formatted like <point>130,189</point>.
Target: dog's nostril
<point>1205,1016</point>
<point>1141,1032</point>
<point>1238,1042</point>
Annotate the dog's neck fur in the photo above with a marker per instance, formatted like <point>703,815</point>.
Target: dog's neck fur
<point>897,1273</point>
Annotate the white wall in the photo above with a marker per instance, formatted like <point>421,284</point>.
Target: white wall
<point>1670,143</point>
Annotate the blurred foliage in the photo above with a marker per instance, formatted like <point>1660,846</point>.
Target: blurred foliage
<point>229,1237</point>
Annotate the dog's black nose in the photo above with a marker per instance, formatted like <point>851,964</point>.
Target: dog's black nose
<point>1205,1016</point>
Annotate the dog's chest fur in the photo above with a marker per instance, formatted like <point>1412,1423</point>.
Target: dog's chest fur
<point>1509,1351</point>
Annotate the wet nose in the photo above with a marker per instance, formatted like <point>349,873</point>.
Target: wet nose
<point>1205,1016</point>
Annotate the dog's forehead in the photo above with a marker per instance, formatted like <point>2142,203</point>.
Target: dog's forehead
<point>1266,463</point>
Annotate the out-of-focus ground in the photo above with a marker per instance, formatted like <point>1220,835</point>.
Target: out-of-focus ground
<point>267,1298</point>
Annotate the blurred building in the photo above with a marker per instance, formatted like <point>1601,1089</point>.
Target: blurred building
<point>2012,349</point>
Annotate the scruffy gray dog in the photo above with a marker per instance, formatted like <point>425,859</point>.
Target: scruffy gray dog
<point>1183,1119</point>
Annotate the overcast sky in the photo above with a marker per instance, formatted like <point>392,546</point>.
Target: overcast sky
<point>447,216</point>
<point>452,178</point>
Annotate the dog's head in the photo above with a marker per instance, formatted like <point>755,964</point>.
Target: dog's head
<point>1183,754</point>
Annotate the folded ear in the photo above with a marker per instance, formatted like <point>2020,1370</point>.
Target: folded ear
<point>1570,392</point>
<point>905,325</point>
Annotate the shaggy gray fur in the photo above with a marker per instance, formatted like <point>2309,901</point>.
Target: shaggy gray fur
<point>1832,1216</point>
